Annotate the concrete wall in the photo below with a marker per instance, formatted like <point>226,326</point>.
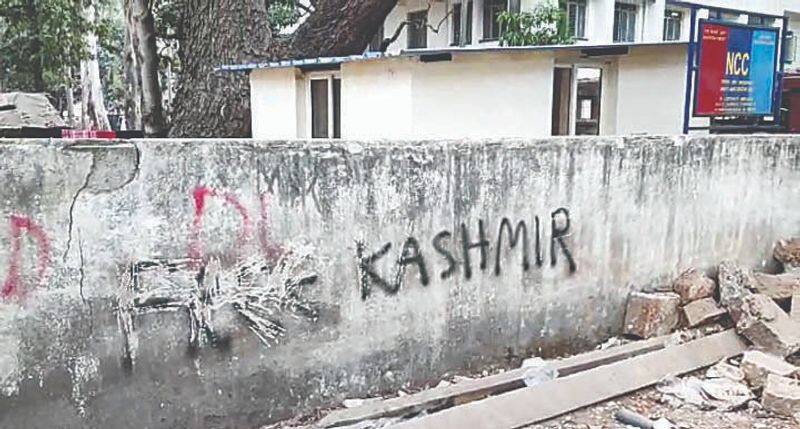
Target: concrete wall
<point>357,249</point>
<point>276,99</point>
<point>651,87</point>
<point>481,96</point>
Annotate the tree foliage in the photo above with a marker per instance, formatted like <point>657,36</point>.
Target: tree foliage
<point>39,40</point>
<point>543,26</point>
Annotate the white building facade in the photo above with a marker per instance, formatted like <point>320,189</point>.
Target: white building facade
<point>625,74</point>
<point>590,22</point>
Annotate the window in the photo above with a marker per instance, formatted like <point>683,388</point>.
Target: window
<point>377,39</point>
<point>576,18</point>
<point>624,22</point>
<point>491,11</point>
<point>326,107</point>
<point>457,24</point>
<point>723,16</point>
<point>586,109</point>
<point>791,48</point>
<point>761,21</point>
<point>672,25</point>
<point>418,29</point>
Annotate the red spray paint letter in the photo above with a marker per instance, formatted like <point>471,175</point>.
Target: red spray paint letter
<point>12,286</point>
<point>201,195</point>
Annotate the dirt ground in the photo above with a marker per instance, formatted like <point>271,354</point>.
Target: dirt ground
<point>654,405</point>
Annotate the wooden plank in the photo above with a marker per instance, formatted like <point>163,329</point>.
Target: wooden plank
<point>464,392</point>
<point>531,405</point>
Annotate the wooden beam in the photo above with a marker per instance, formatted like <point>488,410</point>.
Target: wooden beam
<point>527,406</point>
<point>461,393</point>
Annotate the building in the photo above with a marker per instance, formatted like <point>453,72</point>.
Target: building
<point>626,74</point>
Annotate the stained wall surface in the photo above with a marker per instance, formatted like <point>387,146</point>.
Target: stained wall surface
<point>206,283</point>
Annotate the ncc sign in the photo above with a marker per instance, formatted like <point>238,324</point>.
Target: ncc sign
<point>736,70</point>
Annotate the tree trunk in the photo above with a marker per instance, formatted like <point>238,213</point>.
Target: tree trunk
<point>339,27</point>
<point>133,97</point>
<point>217,32</point>
<point>36,47</point>
<point>147,61</point>
<point>93,108</point>
<point>70,99</point>
<point>212,33</point>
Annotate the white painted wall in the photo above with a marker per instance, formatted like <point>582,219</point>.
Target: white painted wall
<point>377,99</point>
<point>274,103</point>
<point>484,96</point>
<point>650,91</point>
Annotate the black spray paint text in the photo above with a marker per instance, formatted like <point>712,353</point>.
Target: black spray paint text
<point>508,234</point>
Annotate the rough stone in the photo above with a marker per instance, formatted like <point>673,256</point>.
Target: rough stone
<point>781,395</point>
<point>787,252</point>
<point>651,314</point>
<point>794,314</point>
<point>702,311</point>
<point>767,326</point>
<point>693,285</point>
<point>735,283</point>
<point>757,365</point>
<point>777,286</point>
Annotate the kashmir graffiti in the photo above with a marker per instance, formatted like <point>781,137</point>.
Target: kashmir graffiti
<point>411,254</point>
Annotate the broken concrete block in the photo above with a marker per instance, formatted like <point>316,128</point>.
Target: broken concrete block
<point>651,314</point>
<point>787,252</point>
<point>692,285</point>
<point>777,286</point>
<point>767,326</point>
<point>757,365</point>
<point>781,395</point>
<point>735,282</point>
<point>794,314</point>
<point>702,311</point>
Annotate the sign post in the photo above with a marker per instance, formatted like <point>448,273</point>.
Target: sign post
<point>736,70</point>
<point>734,73</point>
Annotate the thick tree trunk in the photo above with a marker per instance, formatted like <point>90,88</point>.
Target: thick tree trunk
<point>212,33</point>
<point>217,32</point>
<point>339,27</point>
<point>93,108</point>
<point>147,61</point>
<point>132,75</point>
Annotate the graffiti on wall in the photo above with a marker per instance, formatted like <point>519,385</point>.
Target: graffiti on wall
<point>515,235</point>
<point>260,289</point>
<point>14,286</point>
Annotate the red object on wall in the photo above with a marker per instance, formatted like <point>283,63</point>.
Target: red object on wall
<point>87,134</point>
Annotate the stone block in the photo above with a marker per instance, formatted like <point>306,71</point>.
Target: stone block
<point>702,311</point>
<point>651,314</point>
<point>777,286</point>
<point>693,285</point>
<point>781,395</point>
<point>735,282</point>
<point>787,252</point>
<point>767,326</point>
<point>757,365</point>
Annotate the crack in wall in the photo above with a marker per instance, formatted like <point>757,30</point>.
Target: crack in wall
<point>98,188</point>
<point>72,206</point>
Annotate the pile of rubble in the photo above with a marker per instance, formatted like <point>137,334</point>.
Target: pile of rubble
<point>755,304</point>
